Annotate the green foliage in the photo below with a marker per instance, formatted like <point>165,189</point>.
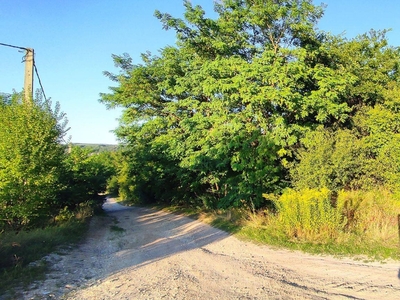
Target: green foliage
<point>361,152</point>
<point>39,182</point>
<point>365,157</point>
<point>86,176</point>
<point>205,120</point>
<point>252,102</point>
<point>335,160</point>
<point>31,159</point>
<point>122,182</point>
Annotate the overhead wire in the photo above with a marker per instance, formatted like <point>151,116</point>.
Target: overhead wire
<point>40,82</point>
<point>12,46</point>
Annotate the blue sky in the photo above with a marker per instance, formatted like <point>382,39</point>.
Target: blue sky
<point>73,42</point>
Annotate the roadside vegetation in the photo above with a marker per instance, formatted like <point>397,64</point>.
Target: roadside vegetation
<point>48,189</point>
<point>258,111</point>
<point>275,130</point>
<point>22,252</point>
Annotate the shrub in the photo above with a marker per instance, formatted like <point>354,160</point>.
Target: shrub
<point>335,160</point>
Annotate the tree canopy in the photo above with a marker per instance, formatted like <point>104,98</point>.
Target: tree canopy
<point>233,109</point>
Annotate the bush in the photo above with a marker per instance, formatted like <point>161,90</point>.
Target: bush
<point>335,160</point>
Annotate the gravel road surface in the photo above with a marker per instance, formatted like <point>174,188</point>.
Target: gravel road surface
<point>139,253</point>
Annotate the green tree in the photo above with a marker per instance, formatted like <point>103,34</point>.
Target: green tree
<point>360,152</point>
<point>31,159</point>
<point>214,114</point>
<point>217,118</point>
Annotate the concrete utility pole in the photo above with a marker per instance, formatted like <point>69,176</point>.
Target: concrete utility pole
<point>28,82</point>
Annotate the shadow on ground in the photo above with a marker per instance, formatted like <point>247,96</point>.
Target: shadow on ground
<point>146,236</point>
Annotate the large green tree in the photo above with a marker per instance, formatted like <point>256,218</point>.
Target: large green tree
<point>219,116</point>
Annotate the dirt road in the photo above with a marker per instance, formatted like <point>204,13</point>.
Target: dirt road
<point>137,253</point>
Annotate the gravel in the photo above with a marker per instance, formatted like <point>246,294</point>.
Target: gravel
<point>139,253</point>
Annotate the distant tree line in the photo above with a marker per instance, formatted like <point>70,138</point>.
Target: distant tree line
<point>97,148</point>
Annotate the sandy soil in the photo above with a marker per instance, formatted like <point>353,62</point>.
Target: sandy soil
<point>159,255</point>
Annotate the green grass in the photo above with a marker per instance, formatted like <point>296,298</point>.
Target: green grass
<point>350,246</point>
<point>19,250</point>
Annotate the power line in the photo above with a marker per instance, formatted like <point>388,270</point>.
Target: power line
<point>40,82</point>
<point>12,46</point>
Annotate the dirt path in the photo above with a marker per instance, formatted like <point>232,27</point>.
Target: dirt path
<point>137,253</point>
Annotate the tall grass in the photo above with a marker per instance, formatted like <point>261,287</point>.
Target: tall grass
<point>309,214</point>
<point>351,223</point>
<point>372,214</point>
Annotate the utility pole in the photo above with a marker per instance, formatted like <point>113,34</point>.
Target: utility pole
<point>28,80</point>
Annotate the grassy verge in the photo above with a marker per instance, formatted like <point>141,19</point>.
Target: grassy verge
<point>347,245</point>
<point>20,253</point>
<point>260,229</point>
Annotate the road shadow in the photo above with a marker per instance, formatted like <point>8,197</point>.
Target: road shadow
<point>147,235</point>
